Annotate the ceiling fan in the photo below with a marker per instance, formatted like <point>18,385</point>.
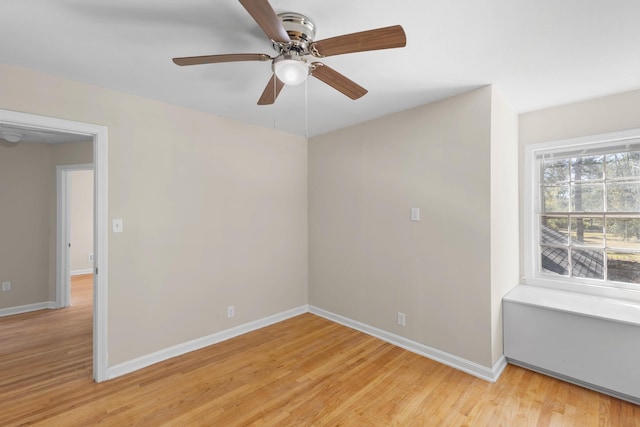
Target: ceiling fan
<point>292,36</point>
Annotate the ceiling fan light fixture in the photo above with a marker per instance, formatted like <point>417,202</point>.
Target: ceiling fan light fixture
<point>291,71</point>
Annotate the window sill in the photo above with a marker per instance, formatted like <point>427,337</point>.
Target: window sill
<point>601,307</point>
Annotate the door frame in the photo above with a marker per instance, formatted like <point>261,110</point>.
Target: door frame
<point>98,134</point>
<point>63,231</point>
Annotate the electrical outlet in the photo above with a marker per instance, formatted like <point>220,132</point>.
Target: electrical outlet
<point>6,286</point>
<point>401,319</point>
<point>231,311</point>
<point>90,257</point>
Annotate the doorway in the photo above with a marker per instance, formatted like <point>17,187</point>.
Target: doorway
<point>98,135</point>
<point>75,226</point>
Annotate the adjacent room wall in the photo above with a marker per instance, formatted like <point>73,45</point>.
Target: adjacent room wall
<point>368,261</point>
<point>24,224</point>
<point>81,211</point>
<point>214,211</point>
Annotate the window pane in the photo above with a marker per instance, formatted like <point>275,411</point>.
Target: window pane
<point>623,164</point>
<point>623,267</point>
<point>587,197</point>
<point>554,260</point>
<point>587,231</point>
<point>555,198</point>
<point>587,168</point>
<point>554,230</point>
<point>623,196</point>
<point>587,263</point>
<point>589,220</point>
<point>555,171</point>
<point>623,233</point>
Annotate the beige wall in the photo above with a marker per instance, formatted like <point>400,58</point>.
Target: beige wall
<point>28,218</point>
<point>81,210</point>
<point>368,261</point>
<point>601,115</point>
<point>504,211</point>
<point>215,213</point>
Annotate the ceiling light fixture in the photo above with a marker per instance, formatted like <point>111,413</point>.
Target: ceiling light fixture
<point>11,136</point>
<point>291,70</point>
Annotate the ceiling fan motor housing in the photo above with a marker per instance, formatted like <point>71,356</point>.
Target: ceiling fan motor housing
<point>301,31</point>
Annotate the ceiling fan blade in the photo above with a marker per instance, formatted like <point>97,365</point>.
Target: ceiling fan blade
<point>267,19</point>
<point>381,38</point>
<point>212,59</point>
<point>271,92</point>
<point>337,81</point>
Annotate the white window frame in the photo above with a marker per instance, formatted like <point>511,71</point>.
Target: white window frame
<point>532,208</point>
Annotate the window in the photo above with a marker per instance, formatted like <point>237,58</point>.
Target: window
<point>583,211</point>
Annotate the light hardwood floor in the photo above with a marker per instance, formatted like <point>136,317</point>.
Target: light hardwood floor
<point>305,371</point>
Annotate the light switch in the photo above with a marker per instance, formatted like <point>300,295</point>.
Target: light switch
<point>415,214</point>
<point>117,225</point>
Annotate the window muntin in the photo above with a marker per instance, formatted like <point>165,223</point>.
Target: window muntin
<point>588,216</point>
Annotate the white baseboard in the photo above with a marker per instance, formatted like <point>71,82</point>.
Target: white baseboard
<point>79,272</point>
<point>472,368</point>
<point>180,349</point>
<point>27,308</point>
<point>480,371</point>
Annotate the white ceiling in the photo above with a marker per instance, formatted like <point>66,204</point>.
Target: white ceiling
<point>538,53</point>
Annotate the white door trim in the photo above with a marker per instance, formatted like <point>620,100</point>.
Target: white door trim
<point>99,136</point>
<point>63,231</point>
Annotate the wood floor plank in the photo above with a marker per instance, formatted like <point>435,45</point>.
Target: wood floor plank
<point>305,371</point>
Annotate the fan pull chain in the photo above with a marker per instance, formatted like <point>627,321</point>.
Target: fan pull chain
<point>306,109</point>
<point>273,105</point>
